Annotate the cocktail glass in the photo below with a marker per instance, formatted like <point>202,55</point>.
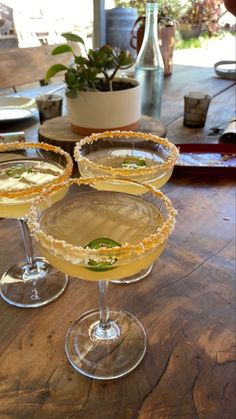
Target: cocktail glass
<point>136,155</point>
<point>99,236</point>
<point>25,169</point>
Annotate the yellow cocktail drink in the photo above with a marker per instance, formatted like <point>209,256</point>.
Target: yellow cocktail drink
<point>101,236</point>
<point>20,175</point>
<point>116,158</point>
<point>120,217</point>
<point>139,156</point>
<point>25,169</point>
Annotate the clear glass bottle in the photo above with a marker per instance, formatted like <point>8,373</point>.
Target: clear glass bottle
<point>149,68</point>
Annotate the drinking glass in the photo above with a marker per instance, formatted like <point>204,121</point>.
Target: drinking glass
<point>99,236</point>
<point>140,156</point>
<point>49,106</point>
<point>25,169</point>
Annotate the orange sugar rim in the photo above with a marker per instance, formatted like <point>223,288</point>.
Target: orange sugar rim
<point>78,252</point>
<point>48,147</point>
<point>168,164</point>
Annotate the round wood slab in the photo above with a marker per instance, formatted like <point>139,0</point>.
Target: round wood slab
<point>57,131</point>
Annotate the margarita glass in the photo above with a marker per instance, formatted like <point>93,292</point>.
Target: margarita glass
<point>25,169</point>
<point>100,236</point>
<point>136,155</point>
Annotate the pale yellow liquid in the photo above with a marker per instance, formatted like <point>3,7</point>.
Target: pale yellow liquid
<point>36,173</point>
<point>114,157</point>
<point>120,217</point>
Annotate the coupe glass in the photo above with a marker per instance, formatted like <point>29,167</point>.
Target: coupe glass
<point>101,236</point>
<point>25,169</point>
<point>136,155</point>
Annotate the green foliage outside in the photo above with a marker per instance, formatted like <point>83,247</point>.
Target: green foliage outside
<point>166,8</point>
<point>203,41</point>
<point>203,12</point>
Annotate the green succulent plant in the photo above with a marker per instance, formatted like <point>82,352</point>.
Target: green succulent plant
<point>94,72</point>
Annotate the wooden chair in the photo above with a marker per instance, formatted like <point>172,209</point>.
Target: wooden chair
<point>20,67</point>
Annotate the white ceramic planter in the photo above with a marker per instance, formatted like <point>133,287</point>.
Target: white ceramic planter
<point>100,111</point>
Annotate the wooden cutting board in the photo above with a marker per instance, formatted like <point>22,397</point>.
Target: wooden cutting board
<point>57,131</point>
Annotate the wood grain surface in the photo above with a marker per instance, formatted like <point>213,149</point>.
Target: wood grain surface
<point>183,79</point>
<point>186,305</point>
<point>57,131</point>
<point>24,65</point>
<point>221,112</point>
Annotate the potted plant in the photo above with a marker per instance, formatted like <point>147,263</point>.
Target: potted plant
<point>97,100</point>
<point>190,22</point>
<point>168,13</point>
<point>212,12</point>
<point>199,15</point>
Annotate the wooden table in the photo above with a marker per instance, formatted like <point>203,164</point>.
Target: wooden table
<point>187,306</point>
<point>184,79</point>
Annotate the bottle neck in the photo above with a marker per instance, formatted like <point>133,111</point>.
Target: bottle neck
<point>149,54</point>
<point>150,33</point>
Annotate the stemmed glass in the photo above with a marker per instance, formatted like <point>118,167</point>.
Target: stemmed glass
<point>25,169</point>
<point>139,156</point>
<point>100,236</point>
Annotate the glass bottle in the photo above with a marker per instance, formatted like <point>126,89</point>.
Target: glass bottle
<point>149,68</point>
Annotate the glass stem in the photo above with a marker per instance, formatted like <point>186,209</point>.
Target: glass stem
<point>104,309</point>
<point>105,329</point>
<point>27,242</point>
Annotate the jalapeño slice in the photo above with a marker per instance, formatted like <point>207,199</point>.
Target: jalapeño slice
<point>133,162</point>
<point>18,170</point>
<point>97,244</point>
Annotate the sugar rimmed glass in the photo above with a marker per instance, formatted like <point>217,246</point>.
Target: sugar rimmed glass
<point>25,169</point>
<point>139,156</point>
<point>99,236</point>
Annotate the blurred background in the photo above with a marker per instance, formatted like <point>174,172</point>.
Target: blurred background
<point>204,30</point>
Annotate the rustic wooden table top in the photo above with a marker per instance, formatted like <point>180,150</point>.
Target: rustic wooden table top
<point>186,305</point>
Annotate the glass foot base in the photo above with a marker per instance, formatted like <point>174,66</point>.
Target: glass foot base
<point>134,278</point>
<point>21,286</point>
<point>106,357</point>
